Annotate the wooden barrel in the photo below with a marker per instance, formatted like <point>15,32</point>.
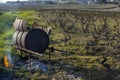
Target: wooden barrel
<point>20,25</point>
<point>16,24</point>
<point>23,39</point>
<point>35,40</point>
<point>15,37</point>
<point>19,39</point>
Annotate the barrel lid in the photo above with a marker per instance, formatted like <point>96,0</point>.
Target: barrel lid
<point>37,40</point>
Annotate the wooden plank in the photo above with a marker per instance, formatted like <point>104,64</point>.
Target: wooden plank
<point>28,51</point>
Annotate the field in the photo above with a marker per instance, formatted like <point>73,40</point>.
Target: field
<point>82,7</point>
<point>91,41</point>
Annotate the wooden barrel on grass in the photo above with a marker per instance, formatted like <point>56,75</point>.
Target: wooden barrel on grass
<point>20,25</point>
<point>19,39</point>
<point>35,40</point>
<point>23,40</point>
<point>15,37</point>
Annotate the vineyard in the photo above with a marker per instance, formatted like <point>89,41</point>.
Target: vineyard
<point>91,41</point>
